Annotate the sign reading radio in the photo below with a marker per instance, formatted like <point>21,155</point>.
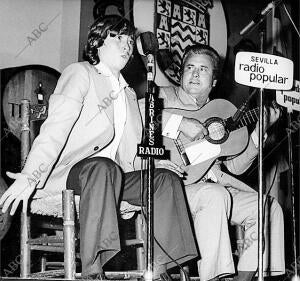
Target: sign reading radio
<point>263,71</point>
<point>152,141</point>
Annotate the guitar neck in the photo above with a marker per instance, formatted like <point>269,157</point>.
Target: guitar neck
<point>249,117</point>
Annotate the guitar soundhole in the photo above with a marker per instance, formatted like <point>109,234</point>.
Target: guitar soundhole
<point>217,132</point>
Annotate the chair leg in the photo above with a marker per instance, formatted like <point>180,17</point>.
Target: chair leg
<point>69,234</point>
<point>43,258</point>
<point>25,247</point>
<point>25,219</point>
<point>140,253</point>
<point>43,263</point>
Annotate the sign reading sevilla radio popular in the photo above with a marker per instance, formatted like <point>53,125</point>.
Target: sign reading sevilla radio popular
<point>290,99</point>
<point>263,71</point>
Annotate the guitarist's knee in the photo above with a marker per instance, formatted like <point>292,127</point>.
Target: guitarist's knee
<point>217,195</point>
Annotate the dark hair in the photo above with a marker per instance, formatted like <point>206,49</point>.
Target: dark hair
<point>201,49</point>
<point>98,32</point>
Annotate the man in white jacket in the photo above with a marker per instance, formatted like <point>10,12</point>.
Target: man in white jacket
<point>88,143</point>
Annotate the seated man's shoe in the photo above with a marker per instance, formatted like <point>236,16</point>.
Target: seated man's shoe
<point>5,218</point>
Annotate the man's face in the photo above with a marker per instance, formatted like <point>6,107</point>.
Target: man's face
<point>197,78</point>
<point>116,51</point>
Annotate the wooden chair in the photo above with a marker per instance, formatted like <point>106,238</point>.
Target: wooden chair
<point>64,240</point>
<point>62,209</point>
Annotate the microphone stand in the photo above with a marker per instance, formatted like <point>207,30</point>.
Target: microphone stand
<point>260,175</point>
<point>150,177</point>
<point>292,188</point>
<point>260,171</point>
<point>250,27</point>
<point>150,148</point>
<point>260,23</point>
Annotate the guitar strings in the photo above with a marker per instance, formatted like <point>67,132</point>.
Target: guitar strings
<point>216,130</point>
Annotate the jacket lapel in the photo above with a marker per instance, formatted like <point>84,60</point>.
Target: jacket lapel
<point>133,127</point>
<point>134,119</point>
<point>132,132</point>
<point>103,92</point>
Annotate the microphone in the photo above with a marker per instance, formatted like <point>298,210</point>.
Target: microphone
<point>258,18</point>
<point>147,45</point>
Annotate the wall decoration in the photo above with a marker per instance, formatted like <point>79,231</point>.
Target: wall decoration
<point>178,25</point>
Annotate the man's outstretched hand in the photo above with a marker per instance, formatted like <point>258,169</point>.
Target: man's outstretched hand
<point>19,191</point>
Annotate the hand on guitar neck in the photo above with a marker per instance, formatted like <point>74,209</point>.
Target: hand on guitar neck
<point>192,128</point>
<point>271,115</point>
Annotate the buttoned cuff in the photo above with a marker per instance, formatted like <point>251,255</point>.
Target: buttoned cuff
<point>172,126</point>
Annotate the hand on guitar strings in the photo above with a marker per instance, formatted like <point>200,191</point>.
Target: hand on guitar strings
<point>192,129</point>
<point>167,164</point>
<point>271,115</point>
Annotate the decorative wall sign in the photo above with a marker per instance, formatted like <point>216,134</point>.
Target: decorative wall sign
<point>178,25</point>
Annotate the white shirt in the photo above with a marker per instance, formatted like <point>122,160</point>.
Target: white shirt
<point>119,104</point>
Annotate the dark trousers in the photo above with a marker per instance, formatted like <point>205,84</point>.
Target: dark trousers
<point>101,186</point>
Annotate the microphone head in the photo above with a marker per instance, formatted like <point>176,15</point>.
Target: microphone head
<point>147,43</point>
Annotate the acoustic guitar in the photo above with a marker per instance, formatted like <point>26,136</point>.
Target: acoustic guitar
<point>227,136</point>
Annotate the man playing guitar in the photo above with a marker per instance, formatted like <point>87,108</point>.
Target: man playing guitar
<point>217,197</point>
